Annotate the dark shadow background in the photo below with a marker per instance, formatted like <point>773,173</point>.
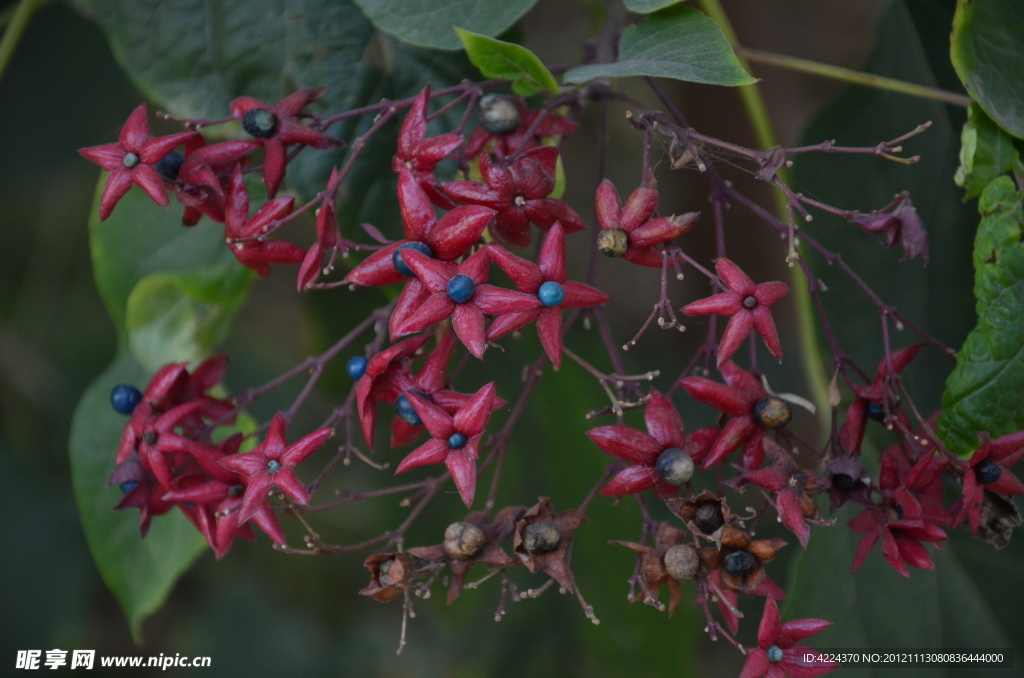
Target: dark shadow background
<point>261,613</point>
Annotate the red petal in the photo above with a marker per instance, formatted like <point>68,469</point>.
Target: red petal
<point>494,300</point>
<point>510,322</point>
<point>292,132</point>
<point>267,521</point>
<point>734,277</point>
<point>756,665</point>
<point>770,292</point>
<point>546,212</point>
<point>525,275</point>
<point>256,494</point>
<point>236,207</point>
<point>438,422</point>
<point>403,433</point>
<point>768,629</point>
<point>118,183</point>
<point>793,516</point>
<point>891,552</point>
<point>433,451</point>
<point>794,666</point>
<point>744,381</point>
<point>269,212</point>
<point>630,480</point>
<point>477,267</point>
<point>242,105</point>
<point>626,443</point>
<point>639,206</point>
<point>309,271</point>
<point>663,230</point>
<point>305,446</point>
<point>663,421</point>
<point>732,436</point>
<point>497,177</point>
<point>458,230</point>
<point>429,152</point>
<point>730,400</point>
<point>471,419</point>
<point>474,193</point>
<point>274,161</point>
<point>107,156</point>
<point>432,273</point>
<point>765,326</point>
<point>286,481</point>
<point>900,359</point>
<point>468,322</point>
<point>549,330</point>
<point>798,629</point>
<point>753,452</point>
<point>415,125</point>
<point>149,180</point>
<point>154,150</point>
<point>511,228</point>
<point>852,433</point>
<point>1007,483</point>
<point>863,549</point>
<point>652,257</point>
<point>578,295</point>
<point>462,467</point>
<point>914,553</point>
<point>609,207</point>
<point>726,303</point>
<point>552,255</point>
<point>431,375</point>
<point>773,478</point>
<point>436,308</point>
<point>736,332</point>
<point>135,131</point>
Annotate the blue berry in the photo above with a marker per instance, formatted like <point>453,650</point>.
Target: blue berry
<point>170,165</point>
<point>273,466</point>
<point>457,441</point>
<point>130,160</point>
<point>987,472</point>
<point>259,122</point>
<point>739,562</point>
<point>128,485</point>
<point>551,293</point>
<point>124,398</point>
<point>356,367</point>
<point>399,263</point>
<point>461,289</point>
<point>406,412</point>
<point>875,411</point>
<point>774,654</point>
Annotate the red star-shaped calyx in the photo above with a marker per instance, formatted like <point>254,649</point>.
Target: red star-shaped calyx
<point>899,522</point>
<point>871,401</point>
<point>456,438</point>
<point>462,293</point>
<point>989,469</point>
<point>131,161</point>
<point>747,304</point>
<point>272,463</point>
<point>420,154</point>
<point>386,377</point>
<point>530,278</point>
<point>519,195</point>
<point>257,254</point>
<point>777,655</point>
<point>505,144</point>
<point>629,230</point>
<point>651,468</point>
<point>275,128</point>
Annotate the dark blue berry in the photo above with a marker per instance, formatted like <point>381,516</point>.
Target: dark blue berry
<point>259,122</point>
<point>124,398</point>
<point>461,289</point>
<point>551,293</point>
<point>899,512</point>
<point>772,413</point>
<point>844,482</point>
<point>674,466</point>
<point>170,165</point>
<point>457,441</point>
<point>774,654</point>
<point>406,412</point>
<point>739,562</point>
<point>128,486</point>
<point>987,472</point>
<point>273,466</point>
<point>399,263</point>
<point>356,367</point>
<point>875,411</point>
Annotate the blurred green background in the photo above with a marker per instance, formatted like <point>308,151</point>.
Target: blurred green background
<point>259,612</point>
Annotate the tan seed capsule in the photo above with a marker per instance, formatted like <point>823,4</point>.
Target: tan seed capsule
<point>612,242</point>
<point>681,562</point>
<point>462,541</point>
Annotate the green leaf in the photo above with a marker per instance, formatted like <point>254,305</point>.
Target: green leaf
<point>509,61</point>
<point>429,23</point>
<point>171,292</point>
<point>984,391</point>
<point>879,608</point>
<point>139,572</point>
<point>987,48</point>
<point>648,6</point>
<point>175,317</point>
<point>986,151</point>
<point>679,43</point>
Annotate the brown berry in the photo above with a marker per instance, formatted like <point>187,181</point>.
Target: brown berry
<point>772,413</point>
<point>612,242</point>
<point>541,538</point>
<point>681,562</point>
<point>709,518</point>
<point>462,541</point>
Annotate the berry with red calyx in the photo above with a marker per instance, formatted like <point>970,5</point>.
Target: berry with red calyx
<point>385,379</point>
<point>256,254</point>
<point>399,263</point>
<point>498,113</point>
<point>356,367</point>
<point>133,160</point>
<point>777,655</point>
<point>405,410</point>
<point>505,144</point>
<point>630,231</point>
<point>547,280</point>
<point>519,195</point>
<point>872,398</point>
<point>674,466</point>
<point>747,306</point>
<point>989,470</point>
<point>277,127</point>
<point>124,398</point>
<point>170,165</point>
<point>875,411</point>
<point>419,154</point>
<point>771,413</point>
<point>900,524</point>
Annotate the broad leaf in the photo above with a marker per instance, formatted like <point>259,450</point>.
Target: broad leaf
<point>509,61</point>
<point>679,43</point>
<point>984,391</point>
<point>648,6</point>
<point>987,48</point>
<point>986,151</point>
<point>429,23</point>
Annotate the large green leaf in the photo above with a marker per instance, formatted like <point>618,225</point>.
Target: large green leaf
<point>429,23</point>
<point>986,151</point>
<point>507,60</point>
<point>139,245</point>
<point>679,43</point>
<point>878,608</point>
<point>988,52</point>
<point>984,391</point>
